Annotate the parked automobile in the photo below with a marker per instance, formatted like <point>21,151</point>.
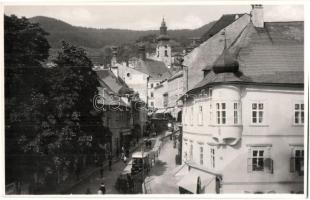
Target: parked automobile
<point>140,162</point>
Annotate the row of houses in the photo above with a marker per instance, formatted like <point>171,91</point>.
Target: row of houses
<point>123,116</point>
<point>243,111</point>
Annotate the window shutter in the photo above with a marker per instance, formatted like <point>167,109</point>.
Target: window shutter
<point>249,165</point>
<point>268,165</point>
<point>249,162</point>
<point>292,164</point>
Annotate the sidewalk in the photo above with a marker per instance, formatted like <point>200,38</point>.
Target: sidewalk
<point>87,172</point>
<point>90,172</point>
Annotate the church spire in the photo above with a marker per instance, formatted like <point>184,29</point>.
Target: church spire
<point>163,27</point>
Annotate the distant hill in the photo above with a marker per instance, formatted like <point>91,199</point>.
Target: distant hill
<point>98,38</point>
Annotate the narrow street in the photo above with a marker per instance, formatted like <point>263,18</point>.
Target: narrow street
<point>161,179</point>
<point>93,182</point>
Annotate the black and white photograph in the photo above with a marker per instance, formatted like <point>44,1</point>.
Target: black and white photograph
<point>191,100</point>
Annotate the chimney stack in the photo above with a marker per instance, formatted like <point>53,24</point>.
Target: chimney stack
<point>142,54</point>
<point>114,67</point>
<point>114,56</point>
<point>257,15</point>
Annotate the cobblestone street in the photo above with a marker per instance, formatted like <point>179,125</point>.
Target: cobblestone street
<point>161,179</point>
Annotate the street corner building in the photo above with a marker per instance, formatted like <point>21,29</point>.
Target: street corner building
<point>243,123</point>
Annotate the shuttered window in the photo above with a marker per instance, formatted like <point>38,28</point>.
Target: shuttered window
<point>259,159</point>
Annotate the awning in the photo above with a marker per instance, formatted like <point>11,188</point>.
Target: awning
<point>180,170</point>
<point>189,181</point>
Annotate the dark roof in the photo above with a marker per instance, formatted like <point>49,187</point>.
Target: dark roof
<point>155,69</point>
<point>226,62</point>
<point>224,21</point>
<point>270,55</point>
<point>163,37</point>
<point>107,79</point>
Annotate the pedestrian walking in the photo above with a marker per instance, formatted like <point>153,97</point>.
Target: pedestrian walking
<point>124,159</point>
<point>101,189</point>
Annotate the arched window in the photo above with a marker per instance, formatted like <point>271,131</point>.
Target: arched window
<point>166,53</point>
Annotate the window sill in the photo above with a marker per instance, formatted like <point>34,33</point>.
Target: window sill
<point>298,125</point>
<point>258,125</point>
<point>226,125</point>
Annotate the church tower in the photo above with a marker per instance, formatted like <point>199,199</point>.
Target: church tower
<point>163,49</point>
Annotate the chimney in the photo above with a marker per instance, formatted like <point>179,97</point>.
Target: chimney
<point>114,56</point>
<point>142,54</point>
<point>257,15</point>
<point>114,67</point>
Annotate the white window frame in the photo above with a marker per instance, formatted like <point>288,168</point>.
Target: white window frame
<point>210,112</point>
<point>185,151</point>
<point>263,155</point>
<point>258,110</point>
<point>212,157</point>
<point>300,113</point>
<point>294,157</point>
<point>201,154</point>
<point>236,114</point>
<point>191,151</point>
<point>221,113</point>
<point>200,114</point>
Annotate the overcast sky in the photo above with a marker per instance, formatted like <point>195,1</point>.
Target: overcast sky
<point>144,17</point>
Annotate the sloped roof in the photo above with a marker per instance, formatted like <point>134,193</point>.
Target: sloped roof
<point>176,75</point>
<point>273,55</point>
<point>155,69</point>
<point>208,52</point>
<point>224,21</point>
<point>107,79</point>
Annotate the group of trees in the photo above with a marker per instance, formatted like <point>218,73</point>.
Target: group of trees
<point>48,108</point>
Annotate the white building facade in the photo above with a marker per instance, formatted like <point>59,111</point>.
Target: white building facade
<point>243,123</point>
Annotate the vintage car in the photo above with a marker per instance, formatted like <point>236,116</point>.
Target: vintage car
<point>141,162</point>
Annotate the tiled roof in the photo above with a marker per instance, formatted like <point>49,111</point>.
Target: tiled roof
<point>156,69</point>
<point>208,52</point>
<point>224,21</point>
<point>176,75</point>
<point>272,55</point>
<point>107,79</point>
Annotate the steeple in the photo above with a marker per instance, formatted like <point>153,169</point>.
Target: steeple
<point>163,36</point>
<point>163,28</point>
